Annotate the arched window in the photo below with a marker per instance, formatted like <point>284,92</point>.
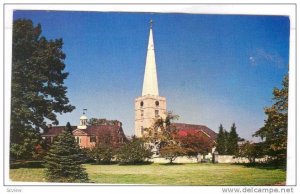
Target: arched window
<point>156,103</point>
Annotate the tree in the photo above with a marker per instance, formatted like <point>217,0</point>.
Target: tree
<point>232,141</point>
<point>162,132</point>
<point>196,143</point>
<point>171,151</point>
<point>250,151</point>
<point>96,121</point>
<point>134,152</point>
<point>37,92</point>
<point>63,160</point>
<point>29,147</point>
<point>274,131</point>
<point>104,149</point>
<point>221,140</point>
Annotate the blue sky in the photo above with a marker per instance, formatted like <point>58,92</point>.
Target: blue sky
<point>211,68</point>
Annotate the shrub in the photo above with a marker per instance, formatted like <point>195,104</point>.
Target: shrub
<point>134,152</point>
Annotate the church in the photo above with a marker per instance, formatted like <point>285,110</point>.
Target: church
<point>151,105</point>
<point>148,108</point>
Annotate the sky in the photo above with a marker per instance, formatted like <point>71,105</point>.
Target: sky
<point>212,69</point>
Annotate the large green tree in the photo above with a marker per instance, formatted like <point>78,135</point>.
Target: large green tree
<point>63,160</point>
<point>232,141</point>
<point>221,140</point>
<point>37,92</point>
<point>274,132</point>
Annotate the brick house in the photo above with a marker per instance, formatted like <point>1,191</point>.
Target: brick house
<point>87,135</point>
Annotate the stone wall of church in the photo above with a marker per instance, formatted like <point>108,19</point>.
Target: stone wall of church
<point>147,108</point>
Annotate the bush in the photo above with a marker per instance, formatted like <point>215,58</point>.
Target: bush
<point>134,152</point>
<point>102,153</point>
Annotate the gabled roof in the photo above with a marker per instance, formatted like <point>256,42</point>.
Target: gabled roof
<point>185,129</point>
<point>94,130</point>
<point>54,131</point>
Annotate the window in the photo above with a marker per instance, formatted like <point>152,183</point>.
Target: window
<point>48,139</point>
<point>142,103</point>
<point>142,113</point>
<point>93,139</point>
<point>156,103</point>
<point>142,130</point>
<point>77,139</point>
<point>156,113</point>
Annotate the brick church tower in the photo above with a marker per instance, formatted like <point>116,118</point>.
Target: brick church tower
<point>150,105</point>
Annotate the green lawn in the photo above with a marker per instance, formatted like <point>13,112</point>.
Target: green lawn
<point>161,174</point>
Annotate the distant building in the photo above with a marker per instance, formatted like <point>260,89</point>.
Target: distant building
<point>87,135</point>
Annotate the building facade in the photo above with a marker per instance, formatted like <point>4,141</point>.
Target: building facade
<point>88,135</point>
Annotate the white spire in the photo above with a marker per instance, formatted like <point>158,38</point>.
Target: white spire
<point>150,85</point>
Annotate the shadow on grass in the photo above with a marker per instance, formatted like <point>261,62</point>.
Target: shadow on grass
<point>26,164</point>
<point>103,163</point>
<point>265,166</point>
<point>172,164</point>
<point>135,163</point>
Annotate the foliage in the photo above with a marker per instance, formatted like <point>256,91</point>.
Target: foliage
<point>232,141</point>
<point>195,144</point>
<point>96,121</point>
<point>163,135</point>
<point>162,131</point>
<point>274,131</point>
<point>250,151</point>
<point>133,152</point>
<point>104,149</point>
<point>37,86</point>
<point>63,160</point>
<point>171,151</point>
<point>227,143</point>
<point>29,147</point>
<point>221,141</point>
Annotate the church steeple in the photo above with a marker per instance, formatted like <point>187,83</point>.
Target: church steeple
<point>150,84</point>
<point>150,105</point>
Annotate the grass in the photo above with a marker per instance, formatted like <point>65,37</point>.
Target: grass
<point>160,174</point>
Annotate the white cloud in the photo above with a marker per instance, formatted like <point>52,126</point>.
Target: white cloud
<point>262,57</point>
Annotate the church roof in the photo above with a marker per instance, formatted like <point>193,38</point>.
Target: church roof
<point>54,131</point>
<point>94,130</point>
<point>185,129</point>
